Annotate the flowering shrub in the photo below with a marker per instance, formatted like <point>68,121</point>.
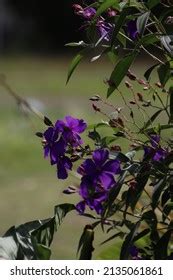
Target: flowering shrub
<point>127,193</point>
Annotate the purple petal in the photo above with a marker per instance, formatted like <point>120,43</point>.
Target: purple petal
<point>62,165</point>
<point>48,134</point>
<point>112,166</point>
<point>80,207</point>
<point>61,171</point>
<point>107,180</point>
<point>89,13</point>
<point>95,205</point>
<point>85,186</point>
<point>132,29</point>
<point>60,125</point>
<point>155,139</point>
<point>87,167</point>
<point>100,156</point>
<point>159,155</point>
<point>46,151</point>
<point>75,125</point>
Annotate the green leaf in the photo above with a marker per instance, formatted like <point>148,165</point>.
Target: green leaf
<point>76,60</point>
<point>166,210</point>
<point>128,242</point>
<point>171,103</point>
<point>150,218</point>
<point>165,197</point>
<point>142,22</point>
<point>152,3</point>
<point>152,119</point>
<point>141,234</point>
<point>44,234</point>
<point>43,252</point>
<point>61,211</point>
<point>149,71</point>
<point>105,5</point>
<point>167,42</point>
<point>148,39</point>
<point>164,73</point>
<point>120,71</point>
<point>141,181</point>
<point>161,248</point>
<point>121,19</point>
<point>157,190</point>
<point>86,243</point>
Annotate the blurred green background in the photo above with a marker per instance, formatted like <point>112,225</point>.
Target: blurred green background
<point>29,188</point>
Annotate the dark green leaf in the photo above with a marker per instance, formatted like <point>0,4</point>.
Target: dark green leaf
<point>128,242</point>
<point>76,60</point>
<point>47,121</point>
<point>166,210</point>
<point>105,5</point>
<point>44,234</point>
<point>86,243</point>
<point>157,190</point>
<point>167,42</point>
<point>164,73</point>
<point>149,39</point>
<point>171,103</point>
<point>121,19</point>
<point>43,252</point>
<point>141,234</point>
<point>161,248</point>
<point>165,197</point>
<point>141,181</point>
<point>150,218</point>
<point>142,22</point>
<point>152,3</point>
<point>149,71</point>
<point>61,211</point>
<point>120,71</point>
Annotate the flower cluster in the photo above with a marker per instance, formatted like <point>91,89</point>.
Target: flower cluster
<point>97,180</point>
<point>103,26</point>
<point>155,151</point>
<point>58,139</point>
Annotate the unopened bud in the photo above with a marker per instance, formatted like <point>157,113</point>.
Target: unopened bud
<point>128,85</point>
<point>96,109</point>
<point>140,97</point>
<point>95,98</point>
<point>131,76</point>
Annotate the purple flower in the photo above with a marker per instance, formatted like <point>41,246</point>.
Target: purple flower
<point>155,151</point>
<point>58,138</point>
<point>132,29</point>
<point>63,164</point>
<point>87,13</point>
<point>70,129</point>
<point>100,168</point>
<point>93,196</point>
<point>104,29</point>
<point>54,145</point>
<point>97,179</point>
<point>134,252</point>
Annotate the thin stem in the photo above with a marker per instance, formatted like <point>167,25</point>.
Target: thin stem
<point>20,100</point>
<point>152,55</point>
